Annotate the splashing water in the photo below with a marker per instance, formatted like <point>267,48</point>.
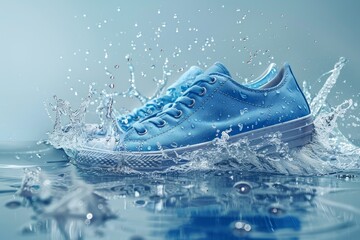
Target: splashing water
<point>330,151</point>
<point>75,131</point>
<point>71,134</point>
<point>319,100</point>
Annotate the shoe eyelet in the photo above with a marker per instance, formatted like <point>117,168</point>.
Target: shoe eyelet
<point>213,79</point>
<point>142,133</point>
<point>192,103</point>
<point>179,114</point>
<point>203,91</point>
<point>162,124</point>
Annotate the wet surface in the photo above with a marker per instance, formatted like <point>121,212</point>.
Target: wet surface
<point>49,197</point>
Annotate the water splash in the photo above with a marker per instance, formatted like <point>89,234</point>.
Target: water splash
<point>319,100</point>
<point>329,152</point>
<point>70,128</point>
<point>70,133</point>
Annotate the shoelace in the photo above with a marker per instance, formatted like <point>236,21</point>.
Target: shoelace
<point>147,109</point>
<point>172,109</point>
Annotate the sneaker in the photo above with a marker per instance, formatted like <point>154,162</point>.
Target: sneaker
<point>99,138</point>
<point>125,122</point>
<point>214,103</point>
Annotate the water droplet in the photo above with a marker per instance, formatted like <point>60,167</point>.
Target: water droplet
<point>152,66</point>
<point>275,210</point>
<point>243,187</point>
<point>244,39</point>
<point>242,226</point>
<point>174,144</point>
<point>243,95</point>
<point>149,148</point>
<point>13,204</point>
<point>116,66</point>
<point>189,134</point>
<point>265,94</point>
<point>89,216</point>
<point>140,203</point>
<point>111,85</point>
<point>243,111</point>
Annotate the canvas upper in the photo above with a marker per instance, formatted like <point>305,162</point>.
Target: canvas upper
<point>216,103</point>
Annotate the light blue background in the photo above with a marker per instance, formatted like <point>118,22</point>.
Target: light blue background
<point>46,47</point>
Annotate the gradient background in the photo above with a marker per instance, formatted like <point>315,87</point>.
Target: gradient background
<point>60,47</point>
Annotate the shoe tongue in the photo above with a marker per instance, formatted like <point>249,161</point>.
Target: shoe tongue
<point>218,68</point>
<point>185,80</point>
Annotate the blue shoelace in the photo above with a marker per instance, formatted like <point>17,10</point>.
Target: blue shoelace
<point>172,109</point>
<point>149,108</point>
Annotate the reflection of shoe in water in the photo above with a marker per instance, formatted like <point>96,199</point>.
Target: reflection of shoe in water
<point>214,103</point>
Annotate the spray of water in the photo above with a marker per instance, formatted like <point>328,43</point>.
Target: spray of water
<point>70,128</point>
<point>329,152</point>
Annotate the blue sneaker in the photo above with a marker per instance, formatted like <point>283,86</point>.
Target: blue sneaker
<point>125,122</point>
<point>214,103</point>
<point>99,138</point>
<point>217,100</point>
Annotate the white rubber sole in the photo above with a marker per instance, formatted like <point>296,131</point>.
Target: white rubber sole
<point>294,133</point>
